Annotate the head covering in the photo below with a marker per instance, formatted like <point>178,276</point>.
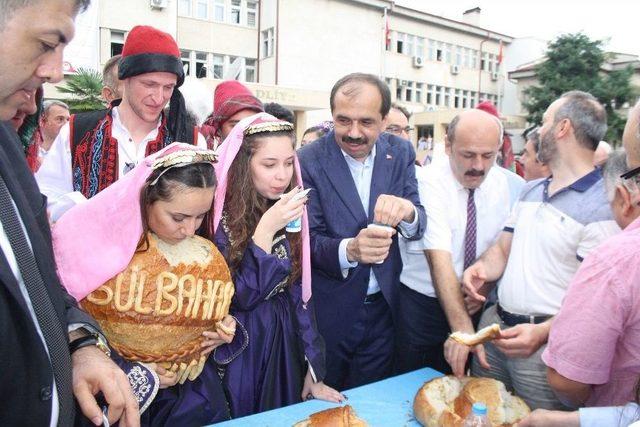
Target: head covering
<point>507,158</point>
<point>96,240</point>
<point>226,155</point>
<point>149,50</point>
<point>229,98</point>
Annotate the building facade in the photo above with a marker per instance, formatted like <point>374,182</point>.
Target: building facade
<point>293,51</point>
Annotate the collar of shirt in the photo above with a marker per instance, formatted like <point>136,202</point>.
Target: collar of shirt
<point>581,185</point>
<point>358,164</point>
<point>118,128</point>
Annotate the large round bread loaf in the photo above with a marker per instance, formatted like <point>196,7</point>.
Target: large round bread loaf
<point>157,308</point>
<point>447,401</point>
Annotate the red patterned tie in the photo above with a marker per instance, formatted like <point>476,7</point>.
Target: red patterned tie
<point>470,233</point>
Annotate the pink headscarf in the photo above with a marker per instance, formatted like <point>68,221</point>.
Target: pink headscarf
<point>95,240</point>
<point>226,154</point>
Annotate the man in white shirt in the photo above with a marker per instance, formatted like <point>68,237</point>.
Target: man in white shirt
<point>96,148</point>
<point>467,199</point>
<point>554,225</point>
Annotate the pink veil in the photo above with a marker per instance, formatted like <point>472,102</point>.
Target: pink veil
<point>227,152</point>
<point>95,240</point>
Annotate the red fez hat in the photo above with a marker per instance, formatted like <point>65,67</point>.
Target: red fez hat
<point>149,50</point>
<point>488,107</point>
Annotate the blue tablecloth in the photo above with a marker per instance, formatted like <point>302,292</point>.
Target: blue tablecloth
<point>384,403</point>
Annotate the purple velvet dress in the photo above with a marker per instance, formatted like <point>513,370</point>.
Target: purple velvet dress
<point>282,334</point>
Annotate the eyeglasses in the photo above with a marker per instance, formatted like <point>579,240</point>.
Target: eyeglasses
<point>397,130</point>
<point>631,173</point>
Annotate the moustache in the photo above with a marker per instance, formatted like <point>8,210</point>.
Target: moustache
<point>474,172</point>
<point>356,141</point>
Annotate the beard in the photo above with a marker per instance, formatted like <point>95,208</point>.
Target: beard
<point>548,147</point>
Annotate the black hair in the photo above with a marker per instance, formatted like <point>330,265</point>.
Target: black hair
<point>382,87</point>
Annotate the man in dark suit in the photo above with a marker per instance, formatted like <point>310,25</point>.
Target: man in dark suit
<point>361,176</point>
<point>49,350</point>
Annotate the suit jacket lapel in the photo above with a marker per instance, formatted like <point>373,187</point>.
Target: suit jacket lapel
<point>6,274</point>
<point>339,174</point>
<point>381,173</point>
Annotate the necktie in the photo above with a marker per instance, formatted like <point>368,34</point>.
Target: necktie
<point>470,232</point>
<point>52,330</point>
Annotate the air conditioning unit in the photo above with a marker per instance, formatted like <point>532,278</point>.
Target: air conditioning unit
<point>494,76</point>
<point>455,69</point>
<point>418,61</point>
<point>402,83</point>
<point>159,4</point>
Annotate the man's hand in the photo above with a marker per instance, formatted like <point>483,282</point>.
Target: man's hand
<point>473,279</point>
<point>522,340</point>
<point>94,372</point>
<point>472,305</point>
<point>370,246</point>
<point>457,354</point>
<point>545,418</point>
<point>390,210</point>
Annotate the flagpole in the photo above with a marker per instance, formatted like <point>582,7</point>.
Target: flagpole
<point>385,30</point>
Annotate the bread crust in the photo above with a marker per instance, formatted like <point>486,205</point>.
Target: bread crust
<point>155,312</point>
<point>486,334</point>
<point>342,416</point>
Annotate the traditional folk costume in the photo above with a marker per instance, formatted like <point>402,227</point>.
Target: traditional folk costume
<point>278,316</point>
<point>229,98</point>
<point>97,240</point>
<point>95,149</point>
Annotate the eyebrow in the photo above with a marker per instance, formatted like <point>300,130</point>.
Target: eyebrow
<point>61,37</point>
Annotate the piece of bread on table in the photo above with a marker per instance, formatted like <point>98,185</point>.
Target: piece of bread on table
<point>343,416</point>
<point>489,333</point>
<point>447,401</point>
<point>503,408</point>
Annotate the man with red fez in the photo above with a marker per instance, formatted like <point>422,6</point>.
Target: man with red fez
<point>506,158</point>
<point>232,102</point>
<point>94,149</point>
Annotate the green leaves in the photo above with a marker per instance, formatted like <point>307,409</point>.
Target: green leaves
<point>575,62</point>
<point>85,88</point>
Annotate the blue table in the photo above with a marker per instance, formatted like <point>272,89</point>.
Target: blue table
<point>384,403</point>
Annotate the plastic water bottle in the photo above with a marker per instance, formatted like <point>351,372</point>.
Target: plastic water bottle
<point>478,416</point>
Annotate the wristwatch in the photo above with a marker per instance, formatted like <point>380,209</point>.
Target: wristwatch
<point>88,340</point>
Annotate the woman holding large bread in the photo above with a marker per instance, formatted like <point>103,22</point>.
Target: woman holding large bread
<point>258,180</point>
<point>161,294</point>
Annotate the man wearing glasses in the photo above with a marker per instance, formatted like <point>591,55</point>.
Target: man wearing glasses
<point>398,121</point>
<point>593,356</point>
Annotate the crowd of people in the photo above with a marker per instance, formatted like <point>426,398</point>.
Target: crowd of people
<point>390,256</point>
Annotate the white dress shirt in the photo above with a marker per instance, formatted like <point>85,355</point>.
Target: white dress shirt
<point>55,177</point>
<point>445,201</point>
<point>362,172</point>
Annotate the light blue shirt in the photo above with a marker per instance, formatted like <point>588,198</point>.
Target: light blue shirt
<point>621,416</point>
<point>362,172</point>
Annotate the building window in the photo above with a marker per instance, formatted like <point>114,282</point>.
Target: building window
<point>420,47</point>
<point>235,12</point>
<point>399,87</point>
<point>430,94</point>
<point>218,66</point>
<point>267,43</point>
<point>465,98</point>
<point>431,52</point>
<point>185,55</point>
<point>250,70</point>
<point>184,7</point>
<point>201,9</point>
<point>458,60</point>
<point>252,13</point>
<point>218,10</point>
<point>465,57</point>
<point>438,94</point>
<point>117,42</point>
<point>408,48</point>
<point>440,52</point>
<point>474,59</point>
<point>408,93</point>
<point>447,53</point>
<point>201,65</point>
<point>419,92</point>
<point>400,42</point>
<point>447,97</point>
<point>456,99</point>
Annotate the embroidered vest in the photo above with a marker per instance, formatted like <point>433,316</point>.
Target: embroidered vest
<point>94,152</point>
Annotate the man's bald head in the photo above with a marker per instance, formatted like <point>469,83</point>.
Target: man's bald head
<point>473,140</point>
<point>631,137</point>
<point>474,121</point>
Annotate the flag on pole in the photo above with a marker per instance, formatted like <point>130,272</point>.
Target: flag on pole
<point>387,31</point>
<point>500,55</point>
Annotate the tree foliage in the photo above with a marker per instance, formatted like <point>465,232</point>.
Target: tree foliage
<point>574,62</point>
<point>85,90</point>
